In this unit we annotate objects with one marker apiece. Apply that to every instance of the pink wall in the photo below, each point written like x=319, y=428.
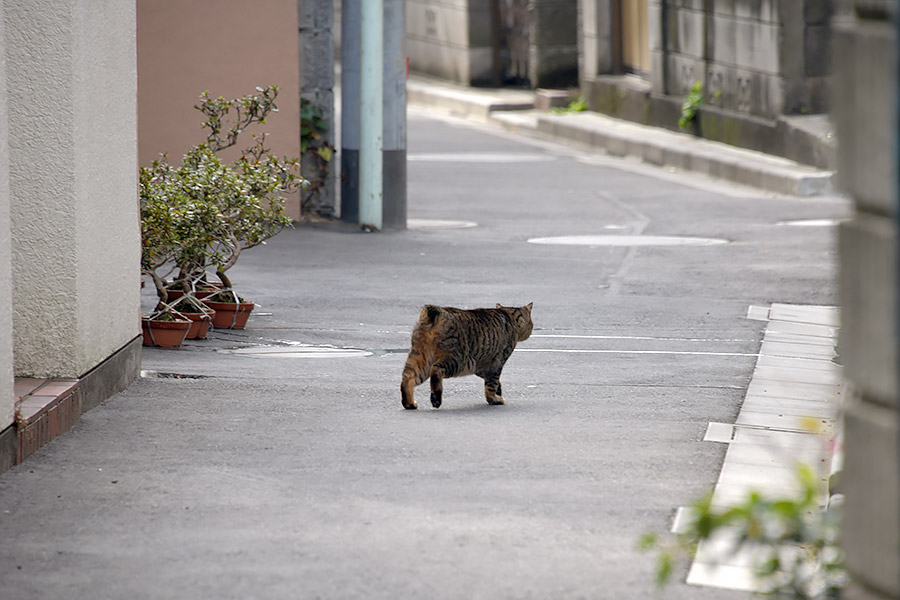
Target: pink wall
x=227, y=47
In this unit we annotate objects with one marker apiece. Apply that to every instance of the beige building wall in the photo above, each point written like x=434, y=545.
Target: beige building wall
x=73, y=182
x=227, y=47
x=7, y=399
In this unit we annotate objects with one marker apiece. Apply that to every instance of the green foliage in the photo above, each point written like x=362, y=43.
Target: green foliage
x=248, y=110
x=190, y=304
x=794, y=539
x=691, y=106
x=226, y=296
x=577, y=105
x=316, y=153
x=204, y=213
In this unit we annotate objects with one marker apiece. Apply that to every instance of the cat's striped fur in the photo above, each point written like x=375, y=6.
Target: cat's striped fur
x=452, y=342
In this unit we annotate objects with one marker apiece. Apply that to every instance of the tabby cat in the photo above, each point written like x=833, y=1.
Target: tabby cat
x=452, y=342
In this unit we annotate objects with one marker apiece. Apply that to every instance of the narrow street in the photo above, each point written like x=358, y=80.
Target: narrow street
x=234, y=472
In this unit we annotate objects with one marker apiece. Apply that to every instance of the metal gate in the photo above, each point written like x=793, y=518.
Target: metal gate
x=513, y=39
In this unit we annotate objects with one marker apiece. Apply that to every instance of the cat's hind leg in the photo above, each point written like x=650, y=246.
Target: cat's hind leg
x=493, y=392
x=414, y=373
x=437, y=389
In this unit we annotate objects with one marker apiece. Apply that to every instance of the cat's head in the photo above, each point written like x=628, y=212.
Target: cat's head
x=521, y=318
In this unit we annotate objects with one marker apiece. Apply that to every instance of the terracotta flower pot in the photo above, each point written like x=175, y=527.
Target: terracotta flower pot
x=230, y=315
x=200, y=323
x=166, y=334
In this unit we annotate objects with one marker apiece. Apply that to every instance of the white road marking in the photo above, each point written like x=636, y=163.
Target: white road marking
x=481, y=157
x=634, y=337
x=673, y=352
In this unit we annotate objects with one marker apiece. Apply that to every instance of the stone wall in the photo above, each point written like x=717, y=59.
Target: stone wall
x=865, y=50
x=763, y=58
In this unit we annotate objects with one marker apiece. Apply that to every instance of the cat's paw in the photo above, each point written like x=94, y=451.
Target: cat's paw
x=435, y=400
x=411, y=405
x=496, y=401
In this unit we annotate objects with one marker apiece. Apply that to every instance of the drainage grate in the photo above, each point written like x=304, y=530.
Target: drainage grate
x=147, y=374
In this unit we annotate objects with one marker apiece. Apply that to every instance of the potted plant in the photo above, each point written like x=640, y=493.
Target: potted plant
x=199, y=314
x=201, y=215
x=165, y=328
x=231, y=311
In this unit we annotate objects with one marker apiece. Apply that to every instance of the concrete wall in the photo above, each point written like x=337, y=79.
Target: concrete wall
x=450, y=39
x=864, y=111
x=553, y=52
x=227, y=47
x=7, y=399
x=763, y=58
x=454, y=39
x=596, y=46
x=73, y=183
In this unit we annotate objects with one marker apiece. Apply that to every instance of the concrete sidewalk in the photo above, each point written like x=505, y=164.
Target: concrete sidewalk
x=515, y=110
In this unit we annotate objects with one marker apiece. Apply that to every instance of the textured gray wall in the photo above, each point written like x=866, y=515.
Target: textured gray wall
x=7, y=398
x=73, y=182
x=865, y=93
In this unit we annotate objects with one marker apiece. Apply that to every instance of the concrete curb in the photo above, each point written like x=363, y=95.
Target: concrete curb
x=788, y=416
x=514, y=110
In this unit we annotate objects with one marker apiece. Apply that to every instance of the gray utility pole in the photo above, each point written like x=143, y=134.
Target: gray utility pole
x=365, y=155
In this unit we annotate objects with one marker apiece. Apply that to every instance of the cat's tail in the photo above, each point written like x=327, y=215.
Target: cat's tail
x=421, y=357
x=429, y=316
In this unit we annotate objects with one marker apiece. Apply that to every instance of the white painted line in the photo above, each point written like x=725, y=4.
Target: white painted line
x=626, y=240
x=672, y=352
x=298, y=352
x=439, y=224
x=812, y=223
x=634, y=337
x=481, y=157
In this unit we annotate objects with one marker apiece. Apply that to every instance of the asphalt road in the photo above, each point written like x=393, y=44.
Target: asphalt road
x=302, y=477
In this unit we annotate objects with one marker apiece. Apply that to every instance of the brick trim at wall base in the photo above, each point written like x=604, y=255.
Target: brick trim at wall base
x=50, y=407
x=624, y=97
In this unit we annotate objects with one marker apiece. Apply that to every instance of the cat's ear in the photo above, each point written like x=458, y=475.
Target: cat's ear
x=528, y=306
x=499, y=305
